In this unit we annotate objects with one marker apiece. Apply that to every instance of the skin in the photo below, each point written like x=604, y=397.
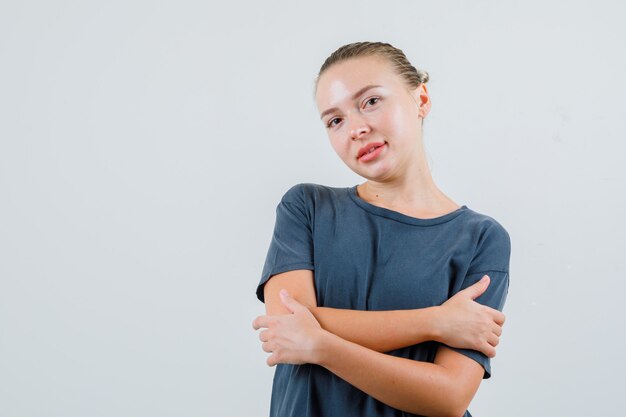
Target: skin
x=459, y=322
x=297, y=331
x=400, y=179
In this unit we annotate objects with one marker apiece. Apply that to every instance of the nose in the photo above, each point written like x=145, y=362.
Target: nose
x=358, y=127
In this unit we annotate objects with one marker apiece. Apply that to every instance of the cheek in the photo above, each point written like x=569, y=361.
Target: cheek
x=400, y=120
x=341, y=146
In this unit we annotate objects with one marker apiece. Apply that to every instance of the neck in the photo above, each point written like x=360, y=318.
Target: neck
x=413, y=192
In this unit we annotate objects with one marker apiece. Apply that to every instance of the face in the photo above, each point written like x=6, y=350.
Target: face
x=372, y=118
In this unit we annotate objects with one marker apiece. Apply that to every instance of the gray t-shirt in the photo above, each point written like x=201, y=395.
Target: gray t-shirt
x=366, y=257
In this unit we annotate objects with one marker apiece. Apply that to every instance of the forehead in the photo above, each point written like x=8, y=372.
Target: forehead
x=341, y=80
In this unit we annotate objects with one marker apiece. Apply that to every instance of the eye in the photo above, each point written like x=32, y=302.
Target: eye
x=330, y=122
x=372, y=100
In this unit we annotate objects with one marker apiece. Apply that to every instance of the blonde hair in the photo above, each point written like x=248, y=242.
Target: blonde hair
x=401, y=65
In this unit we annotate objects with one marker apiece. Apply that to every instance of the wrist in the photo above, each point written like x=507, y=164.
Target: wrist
x=323, y=352
x=433, y=323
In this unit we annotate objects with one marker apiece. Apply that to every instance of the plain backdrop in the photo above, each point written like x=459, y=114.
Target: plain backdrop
x=144, y=146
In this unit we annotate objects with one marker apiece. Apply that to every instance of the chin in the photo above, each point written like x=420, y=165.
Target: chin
x=377, y=175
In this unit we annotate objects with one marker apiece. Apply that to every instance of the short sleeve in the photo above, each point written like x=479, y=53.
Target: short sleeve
x=491, y=258
x=291, y=246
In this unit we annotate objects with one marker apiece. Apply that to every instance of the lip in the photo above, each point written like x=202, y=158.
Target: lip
x=364, y=150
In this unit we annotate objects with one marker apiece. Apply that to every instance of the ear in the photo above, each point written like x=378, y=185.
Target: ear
x=422, y=99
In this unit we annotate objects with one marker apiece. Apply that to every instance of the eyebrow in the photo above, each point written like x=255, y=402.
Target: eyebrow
x=354, y=96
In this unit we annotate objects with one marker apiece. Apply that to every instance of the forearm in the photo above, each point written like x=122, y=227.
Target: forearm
x=416, y=387
x=442, y=388
x=381, y=331
x=459, y=322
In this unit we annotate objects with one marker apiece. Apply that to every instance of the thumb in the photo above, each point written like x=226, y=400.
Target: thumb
x=475, y=290
x=289, y=302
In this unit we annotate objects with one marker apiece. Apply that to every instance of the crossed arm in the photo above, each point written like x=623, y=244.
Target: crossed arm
x=350, y=343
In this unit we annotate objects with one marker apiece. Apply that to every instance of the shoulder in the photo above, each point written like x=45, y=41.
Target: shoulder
x=487, y=227
x=307, y=194
x=309, y=201
x=492, y=240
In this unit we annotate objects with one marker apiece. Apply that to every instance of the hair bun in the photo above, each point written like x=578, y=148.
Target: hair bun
x=423, y=76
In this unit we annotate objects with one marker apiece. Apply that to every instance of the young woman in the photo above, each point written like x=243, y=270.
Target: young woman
x=384, y=298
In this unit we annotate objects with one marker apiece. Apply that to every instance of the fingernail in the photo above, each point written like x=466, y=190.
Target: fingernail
x=284, y=293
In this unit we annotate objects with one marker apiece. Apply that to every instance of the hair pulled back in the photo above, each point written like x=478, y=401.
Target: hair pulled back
x=401, y=65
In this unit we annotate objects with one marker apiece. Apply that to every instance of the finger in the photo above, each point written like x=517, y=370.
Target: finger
x=272, y=360
x=261, y=321
x=499, y=318
x=291, y=303
x=497, y=330
x=264, y=336
x=488, y=350
x=493, y=340
x=268, y=347
x=476, y=289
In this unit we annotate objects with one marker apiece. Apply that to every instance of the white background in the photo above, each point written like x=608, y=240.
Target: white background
x=144, y=146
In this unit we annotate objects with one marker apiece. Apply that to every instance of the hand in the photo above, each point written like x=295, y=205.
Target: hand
x=292, y=338
x=464, y=323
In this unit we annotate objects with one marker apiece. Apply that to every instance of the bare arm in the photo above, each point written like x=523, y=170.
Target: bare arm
x=381, y=331
x=460, y=322
x=443, y=388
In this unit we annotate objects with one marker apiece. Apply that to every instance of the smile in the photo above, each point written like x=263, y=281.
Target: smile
x=370, y=152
